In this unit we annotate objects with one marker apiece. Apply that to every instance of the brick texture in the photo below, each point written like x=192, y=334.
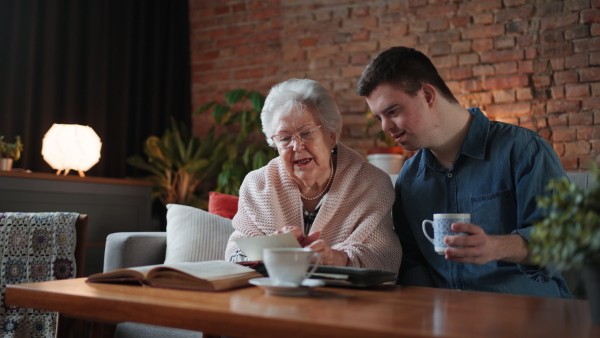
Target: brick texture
x=533, y=64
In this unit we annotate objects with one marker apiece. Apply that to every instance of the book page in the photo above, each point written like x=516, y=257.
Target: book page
x=208, y=270
x=253, y=246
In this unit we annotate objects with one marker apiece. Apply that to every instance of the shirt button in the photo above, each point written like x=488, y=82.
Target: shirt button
x=449, y=175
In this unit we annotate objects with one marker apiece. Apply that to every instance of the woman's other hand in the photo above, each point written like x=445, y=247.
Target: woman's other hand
x=329, y=256
x=296, y=231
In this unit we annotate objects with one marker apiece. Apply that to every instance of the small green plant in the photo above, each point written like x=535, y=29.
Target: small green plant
x=178, y=163
x=379, y=137
x=240, y=146
x=11, y=150
x=569, y=234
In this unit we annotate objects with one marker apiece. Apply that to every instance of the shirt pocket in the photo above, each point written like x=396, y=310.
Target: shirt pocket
x=495, y=212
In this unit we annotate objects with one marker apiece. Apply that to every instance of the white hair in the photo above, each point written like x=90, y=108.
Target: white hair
x=301, y=94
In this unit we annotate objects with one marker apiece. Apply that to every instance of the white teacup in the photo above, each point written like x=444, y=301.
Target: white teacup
x=289, y=266
x=441, y=228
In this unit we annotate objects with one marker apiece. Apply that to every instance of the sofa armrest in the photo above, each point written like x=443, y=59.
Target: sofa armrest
x=128, y=249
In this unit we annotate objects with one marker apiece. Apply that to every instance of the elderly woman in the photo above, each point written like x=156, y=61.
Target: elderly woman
x=323, y=192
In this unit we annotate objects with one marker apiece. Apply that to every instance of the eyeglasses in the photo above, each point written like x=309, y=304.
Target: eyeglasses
x=305, y=136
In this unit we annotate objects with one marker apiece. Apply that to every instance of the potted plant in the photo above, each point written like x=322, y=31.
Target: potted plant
x=384, y=154
x=178, y=163
x=240, y=146
x=9, y=152
x=568, y=237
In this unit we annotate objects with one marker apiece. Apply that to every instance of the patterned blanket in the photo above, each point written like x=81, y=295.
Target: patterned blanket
x=34, y=247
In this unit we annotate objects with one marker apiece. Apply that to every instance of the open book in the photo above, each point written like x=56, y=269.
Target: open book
x=206, y=276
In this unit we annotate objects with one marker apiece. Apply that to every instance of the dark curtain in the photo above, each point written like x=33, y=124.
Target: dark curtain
x=119, y=66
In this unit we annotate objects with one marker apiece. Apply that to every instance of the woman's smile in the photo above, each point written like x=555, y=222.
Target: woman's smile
x=302, y=162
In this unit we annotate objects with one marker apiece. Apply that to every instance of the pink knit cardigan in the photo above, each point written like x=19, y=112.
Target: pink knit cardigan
x=356, y=216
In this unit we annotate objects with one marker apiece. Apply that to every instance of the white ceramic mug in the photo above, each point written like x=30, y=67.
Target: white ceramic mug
x=289, y=266
x=441, y=228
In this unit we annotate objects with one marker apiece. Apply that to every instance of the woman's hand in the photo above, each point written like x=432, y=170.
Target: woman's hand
x=296, y=231
x=299, y=234
x=329, y=256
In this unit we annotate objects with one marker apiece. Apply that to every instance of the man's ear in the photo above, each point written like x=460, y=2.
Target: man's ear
x=430, y=94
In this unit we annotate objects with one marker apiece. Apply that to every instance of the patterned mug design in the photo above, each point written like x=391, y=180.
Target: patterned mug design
x=441, y=228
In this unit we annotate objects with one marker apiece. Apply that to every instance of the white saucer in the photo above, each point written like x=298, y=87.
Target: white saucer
x=289, y=290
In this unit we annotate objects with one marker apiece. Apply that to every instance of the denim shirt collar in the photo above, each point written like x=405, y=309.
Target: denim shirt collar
x=473, y=145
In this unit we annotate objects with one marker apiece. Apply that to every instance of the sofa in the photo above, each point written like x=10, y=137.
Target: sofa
x=127, y=249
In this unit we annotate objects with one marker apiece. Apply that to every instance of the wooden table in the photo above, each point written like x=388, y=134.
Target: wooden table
x=329, y=312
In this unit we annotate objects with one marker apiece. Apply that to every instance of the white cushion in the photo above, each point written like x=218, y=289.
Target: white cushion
x=195, y=235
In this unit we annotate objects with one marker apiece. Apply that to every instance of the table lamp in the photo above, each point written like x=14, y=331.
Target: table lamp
x=71, y=146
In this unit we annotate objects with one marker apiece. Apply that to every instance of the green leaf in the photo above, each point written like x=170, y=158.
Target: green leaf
x=257, y=100
x=204, y=107
x=235, y=96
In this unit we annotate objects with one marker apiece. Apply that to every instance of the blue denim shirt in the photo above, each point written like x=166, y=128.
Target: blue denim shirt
x=496, y=176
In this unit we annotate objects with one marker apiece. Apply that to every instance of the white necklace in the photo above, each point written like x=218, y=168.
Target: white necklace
x=326, y=185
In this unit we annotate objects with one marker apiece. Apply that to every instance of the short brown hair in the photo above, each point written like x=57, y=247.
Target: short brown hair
x=405, y=68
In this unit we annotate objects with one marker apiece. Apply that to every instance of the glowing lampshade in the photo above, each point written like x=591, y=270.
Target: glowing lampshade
x=71, y=146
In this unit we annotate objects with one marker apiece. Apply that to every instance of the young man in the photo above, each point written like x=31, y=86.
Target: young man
x=465, y=164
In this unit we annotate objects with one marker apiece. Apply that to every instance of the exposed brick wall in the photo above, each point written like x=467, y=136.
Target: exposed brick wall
x=530, y=63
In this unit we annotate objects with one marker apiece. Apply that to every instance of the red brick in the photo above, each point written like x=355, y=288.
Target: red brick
x=468, y=59
x=558, y=120
x=509, y=109
x=570, y=162
x=558, y=92
x=578, y=148
x=506, y=68
x=447, y=36
x=238, y=41
x=506, y=82
x=505, y=119
x=360, y=11
x=400, y=29
x=483, y=18
x=538, y=109
x=590, y=75
x=576, y=61
x=265, y=13
x=502, y=55
x=590, y=16
x=445, y=61
x=579, y=90
x=504, y=42
x=438, y=24
x=530, y=53
x=586, y=45
x=483, y=70
x=460, y=21
x=577, y=32
x=559, y=148
x=416, y=3
x=581, y=119
x=221, y=10
x=238, y=7
x=462, y=73
x=483, y=45
x=589, y=133
x=520, y=13
x=524, y=94
x=592, y=103
x=595, y=29
x=362, y=35
x=435, y=11
x=503, y=96
x=557, y=49
x=525, y=67
x=251, y=73
x=552, y=36
x=320, y=52
x=564, y=134
x=558, y=63
x=562, y=106
x=471, y=85
x=564, y=77
x=595, y=58
x=541, y=81
x=469, y=7
x=439, y=49
x=360, y=59
x=483, y=32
